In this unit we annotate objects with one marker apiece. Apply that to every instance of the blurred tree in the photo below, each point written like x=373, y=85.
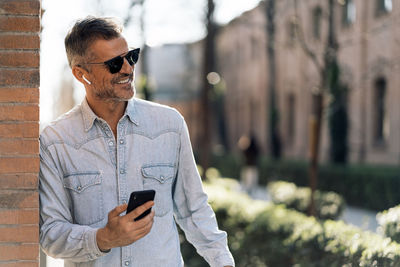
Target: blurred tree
x=329, y=82
x=337, y=116
x=273, y=113
x=208, y=67
x=144, y=84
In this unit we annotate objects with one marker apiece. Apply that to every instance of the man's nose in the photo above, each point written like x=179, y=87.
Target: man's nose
x=126, y=67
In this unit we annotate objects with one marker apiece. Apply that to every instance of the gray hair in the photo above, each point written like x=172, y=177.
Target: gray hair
x=85, y=32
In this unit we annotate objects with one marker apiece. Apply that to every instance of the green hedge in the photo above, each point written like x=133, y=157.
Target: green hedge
x=329, y=205
x=370, y=187
x=263, y=234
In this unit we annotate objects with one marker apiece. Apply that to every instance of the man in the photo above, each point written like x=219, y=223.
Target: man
x=94, y=156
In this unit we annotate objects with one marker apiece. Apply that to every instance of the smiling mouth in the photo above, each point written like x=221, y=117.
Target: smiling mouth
x=127, y=80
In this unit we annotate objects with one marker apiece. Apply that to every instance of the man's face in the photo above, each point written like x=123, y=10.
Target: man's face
x=106, y=86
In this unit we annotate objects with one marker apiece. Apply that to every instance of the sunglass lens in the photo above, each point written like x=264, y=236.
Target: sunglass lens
x=132, y=56
x=115, y=64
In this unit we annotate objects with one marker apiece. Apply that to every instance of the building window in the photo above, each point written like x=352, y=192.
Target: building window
x=383, y=6
x=382, y=127
x=349, y=12
x=254, y=48
x=316, y=22
x=292, y=31
x=291, y=118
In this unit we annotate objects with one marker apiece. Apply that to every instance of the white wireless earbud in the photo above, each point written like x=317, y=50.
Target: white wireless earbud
x=86, y=80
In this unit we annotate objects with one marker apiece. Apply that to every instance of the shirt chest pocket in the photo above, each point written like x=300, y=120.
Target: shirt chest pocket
x=160, y=177
x=87, y=196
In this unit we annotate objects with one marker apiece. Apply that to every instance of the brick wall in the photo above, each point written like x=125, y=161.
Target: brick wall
x=19, y=132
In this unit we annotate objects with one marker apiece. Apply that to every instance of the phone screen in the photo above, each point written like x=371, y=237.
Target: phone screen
x=137, y=199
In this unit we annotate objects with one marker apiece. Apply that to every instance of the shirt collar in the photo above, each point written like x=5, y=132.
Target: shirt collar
x=89, y=116
x=130, y=111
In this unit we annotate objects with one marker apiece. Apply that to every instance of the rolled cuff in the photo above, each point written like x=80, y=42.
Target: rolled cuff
x=223, y=260
x=92, y=246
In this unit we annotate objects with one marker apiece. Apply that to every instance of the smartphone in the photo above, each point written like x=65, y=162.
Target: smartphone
x=137, y=199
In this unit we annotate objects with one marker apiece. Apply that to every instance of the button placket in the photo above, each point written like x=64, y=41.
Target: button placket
x=122, y=179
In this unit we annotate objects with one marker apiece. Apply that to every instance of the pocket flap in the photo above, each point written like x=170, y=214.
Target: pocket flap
x=78, y=182
x=160, y=172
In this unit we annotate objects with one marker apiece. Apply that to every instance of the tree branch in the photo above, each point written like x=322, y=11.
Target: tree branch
x=306, y=48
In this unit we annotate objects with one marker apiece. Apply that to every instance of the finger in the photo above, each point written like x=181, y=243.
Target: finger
x=148, y=219
x=139, y=210
x=142, y=231
x=117, y=211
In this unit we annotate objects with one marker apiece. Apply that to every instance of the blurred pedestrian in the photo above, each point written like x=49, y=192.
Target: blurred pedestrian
x=249, y=173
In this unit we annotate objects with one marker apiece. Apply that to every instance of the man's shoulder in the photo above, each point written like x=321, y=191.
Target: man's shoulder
x=150, y=108
x=69, y=123
x=157, y=117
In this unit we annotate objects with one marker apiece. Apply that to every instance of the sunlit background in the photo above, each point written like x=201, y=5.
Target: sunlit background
x=166, y=22
x=299, y=107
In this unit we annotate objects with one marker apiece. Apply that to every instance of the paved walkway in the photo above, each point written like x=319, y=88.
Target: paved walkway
x=362, y=218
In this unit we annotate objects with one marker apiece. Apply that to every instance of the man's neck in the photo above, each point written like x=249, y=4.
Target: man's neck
x=110, y=111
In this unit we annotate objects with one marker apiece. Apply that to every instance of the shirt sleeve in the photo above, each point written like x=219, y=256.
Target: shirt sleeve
x=192, y=211
x=59, y=237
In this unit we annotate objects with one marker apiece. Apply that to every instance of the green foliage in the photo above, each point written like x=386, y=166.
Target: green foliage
x=370, y=187
x=264, y=234
x=389, y=222
x=229, y=165
x=329, y=205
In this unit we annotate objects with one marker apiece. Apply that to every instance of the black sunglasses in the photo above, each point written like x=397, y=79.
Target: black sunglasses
x=115, y=64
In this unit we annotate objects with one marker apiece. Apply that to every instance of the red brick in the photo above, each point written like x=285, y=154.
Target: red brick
x=19, y=59
x=19, y=181
x=19, y=130
x=14, y=147
x=20, y=95
x=19, y=41
x=12, y=199
x=21, y=252
x=27, y=234
x=19, y=165
x=20, y=7
x=28, y=78
x=19, y=113
x=19, y=216
x=19, y=24
x=20, y=264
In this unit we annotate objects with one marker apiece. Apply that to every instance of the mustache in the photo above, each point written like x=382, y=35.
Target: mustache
x=123, y=76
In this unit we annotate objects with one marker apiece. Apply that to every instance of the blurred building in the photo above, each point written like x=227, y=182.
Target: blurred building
x=369, y=58
x=368, y=37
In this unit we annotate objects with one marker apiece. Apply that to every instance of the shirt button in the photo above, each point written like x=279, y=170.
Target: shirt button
x=111, y=143
x=124, y=201
x=79, y=188
x=126, y=263
x=121, y=141
x=162, y=179
x=121, y=171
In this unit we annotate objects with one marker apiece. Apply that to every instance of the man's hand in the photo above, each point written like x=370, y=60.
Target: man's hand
x=123, y=230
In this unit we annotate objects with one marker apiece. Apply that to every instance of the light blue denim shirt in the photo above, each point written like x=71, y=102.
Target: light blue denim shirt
x=85, y=172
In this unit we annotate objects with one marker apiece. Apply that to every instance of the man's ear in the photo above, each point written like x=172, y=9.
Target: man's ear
x=79, y=74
